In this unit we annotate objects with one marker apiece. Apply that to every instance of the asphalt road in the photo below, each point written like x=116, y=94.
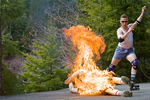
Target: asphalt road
x=142, y=94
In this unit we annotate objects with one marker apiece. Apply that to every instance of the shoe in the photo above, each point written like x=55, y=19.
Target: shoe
x=127, y=94
x=127, y=81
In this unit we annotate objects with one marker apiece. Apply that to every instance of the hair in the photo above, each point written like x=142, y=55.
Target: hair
x=124, y=16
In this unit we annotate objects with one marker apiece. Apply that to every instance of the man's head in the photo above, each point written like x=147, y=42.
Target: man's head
x=124, y=20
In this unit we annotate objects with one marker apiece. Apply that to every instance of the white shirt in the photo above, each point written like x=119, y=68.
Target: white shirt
x=128, y=41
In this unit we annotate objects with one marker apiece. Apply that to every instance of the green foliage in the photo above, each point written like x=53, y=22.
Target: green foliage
x=11, y=83
x=24, y=33
x=44, y=71
x=10, y=11
x=97, y=14
x=9, y=46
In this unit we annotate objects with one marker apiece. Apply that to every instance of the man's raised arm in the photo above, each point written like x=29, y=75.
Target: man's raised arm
x=139, y=19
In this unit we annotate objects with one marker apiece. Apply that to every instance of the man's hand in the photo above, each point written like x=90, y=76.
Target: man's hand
x=131, y=28
x=143, y=9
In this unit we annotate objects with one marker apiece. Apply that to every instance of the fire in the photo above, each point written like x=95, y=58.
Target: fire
x=90, y=46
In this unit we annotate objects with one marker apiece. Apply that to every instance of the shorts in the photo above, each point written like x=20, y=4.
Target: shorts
x=121, y=53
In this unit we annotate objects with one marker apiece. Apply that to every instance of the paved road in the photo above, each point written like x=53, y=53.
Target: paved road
x=143, y=94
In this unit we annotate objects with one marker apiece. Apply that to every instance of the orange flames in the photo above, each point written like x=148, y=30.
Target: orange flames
x=90, y=46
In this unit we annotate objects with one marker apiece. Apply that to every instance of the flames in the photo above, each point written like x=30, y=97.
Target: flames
x=90, y=46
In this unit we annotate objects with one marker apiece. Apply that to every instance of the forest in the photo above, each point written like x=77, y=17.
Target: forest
x=32, y=30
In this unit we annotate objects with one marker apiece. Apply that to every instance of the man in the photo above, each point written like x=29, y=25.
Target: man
x=125, y=46
x=111, y=91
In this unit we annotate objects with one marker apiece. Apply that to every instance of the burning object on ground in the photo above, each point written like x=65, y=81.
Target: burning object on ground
x=84, y=88
x=94, y=81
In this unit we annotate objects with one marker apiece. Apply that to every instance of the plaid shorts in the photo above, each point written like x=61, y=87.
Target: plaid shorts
x=121, y=53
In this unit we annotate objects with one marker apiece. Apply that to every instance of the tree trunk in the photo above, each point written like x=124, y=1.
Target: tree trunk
x=1, y=68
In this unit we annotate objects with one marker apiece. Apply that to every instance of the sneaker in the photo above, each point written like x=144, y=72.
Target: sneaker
x=127, y=94
x=127, y=81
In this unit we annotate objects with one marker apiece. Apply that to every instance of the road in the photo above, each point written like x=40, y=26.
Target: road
x=142, y=94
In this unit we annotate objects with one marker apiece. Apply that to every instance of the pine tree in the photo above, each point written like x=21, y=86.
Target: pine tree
x=12, y=85
x=44, y=71
x=10, y=10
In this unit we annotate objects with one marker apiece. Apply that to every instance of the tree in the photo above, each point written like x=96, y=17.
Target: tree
x=1, y=83
x=12, y=85
x=23, y=32
x=44, y=70
x=10, y=10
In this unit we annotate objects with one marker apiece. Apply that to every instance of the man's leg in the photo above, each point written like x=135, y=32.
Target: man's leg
x=113, y=64
x=132, y=58
x=119, y=93
x=123, y=80
x=117, y=80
